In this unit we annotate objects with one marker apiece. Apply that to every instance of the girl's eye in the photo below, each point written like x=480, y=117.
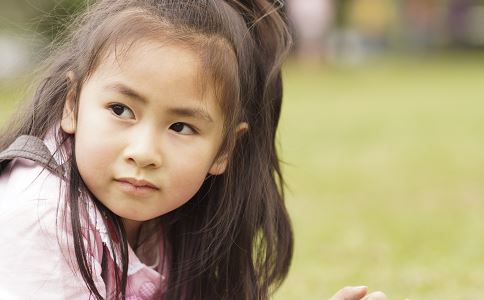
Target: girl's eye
x=122, y=111
x=182, y=128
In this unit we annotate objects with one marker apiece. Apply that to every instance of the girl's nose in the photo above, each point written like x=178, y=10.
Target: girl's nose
x=143, y=151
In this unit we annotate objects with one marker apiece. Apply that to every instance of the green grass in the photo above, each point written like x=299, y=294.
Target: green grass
x=385, y=167
x=386, y=173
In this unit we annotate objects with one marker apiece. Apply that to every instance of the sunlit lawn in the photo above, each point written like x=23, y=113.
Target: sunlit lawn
x=385, y=165
x=386, y=169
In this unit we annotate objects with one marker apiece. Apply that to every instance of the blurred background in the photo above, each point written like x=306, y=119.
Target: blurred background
x=382, y=135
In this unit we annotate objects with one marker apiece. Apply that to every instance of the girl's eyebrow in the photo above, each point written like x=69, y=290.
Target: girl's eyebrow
x=181, y=111
x=191, y=112
x=126, y=90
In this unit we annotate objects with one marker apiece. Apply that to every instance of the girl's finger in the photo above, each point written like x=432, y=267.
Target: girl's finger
x=376, y=296
x=351, y=293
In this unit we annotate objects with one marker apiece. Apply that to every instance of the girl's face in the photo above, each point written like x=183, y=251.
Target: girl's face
x=145, y=140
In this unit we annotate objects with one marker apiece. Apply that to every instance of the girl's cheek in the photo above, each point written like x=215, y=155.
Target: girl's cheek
x=188, y=174
x=184, y=190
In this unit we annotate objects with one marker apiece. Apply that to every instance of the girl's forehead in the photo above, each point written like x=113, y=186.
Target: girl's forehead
x=148, y=53
x=151, y=62
x=156, y=70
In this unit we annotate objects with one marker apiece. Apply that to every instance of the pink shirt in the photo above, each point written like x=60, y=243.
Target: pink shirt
x=37, y=255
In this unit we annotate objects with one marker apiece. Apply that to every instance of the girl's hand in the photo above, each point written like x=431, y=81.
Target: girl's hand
x=357, y=293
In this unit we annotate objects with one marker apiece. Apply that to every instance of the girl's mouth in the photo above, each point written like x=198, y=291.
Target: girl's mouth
x=138, y=188
x=138, y=182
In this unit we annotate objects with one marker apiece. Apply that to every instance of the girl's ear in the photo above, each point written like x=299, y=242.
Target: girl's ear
x=220, y=164
x=68, y=122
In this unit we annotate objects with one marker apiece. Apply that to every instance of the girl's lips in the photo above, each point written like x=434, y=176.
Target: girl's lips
x=137, y=188
x=138, y=183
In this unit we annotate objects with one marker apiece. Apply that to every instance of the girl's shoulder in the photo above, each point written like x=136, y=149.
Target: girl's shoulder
x=32, y=193
x=29, y=179
x=34, y=238
x=30, y=175
x=23, y=180
x=29, y=194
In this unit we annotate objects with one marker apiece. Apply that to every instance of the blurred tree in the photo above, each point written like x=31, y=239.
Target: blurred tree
x=341, y=12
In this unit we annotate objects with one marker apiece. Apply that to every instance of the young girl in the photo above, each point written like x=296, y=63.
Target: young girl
x=145, y=166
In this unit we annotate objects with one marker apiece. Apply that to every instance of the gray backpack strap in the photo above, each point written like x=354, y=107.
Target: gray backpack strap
x=31, y=148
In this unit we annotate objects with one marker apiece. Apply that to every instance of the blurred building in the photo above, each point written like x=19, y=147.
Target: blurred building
x=466, y=22
x=355, y=30
x=349, y=31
